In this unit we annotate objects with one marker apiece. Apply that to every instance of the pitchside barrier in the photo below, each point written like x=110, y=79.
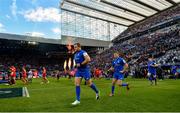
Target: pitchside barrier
x=14, y=92
x=3, y=81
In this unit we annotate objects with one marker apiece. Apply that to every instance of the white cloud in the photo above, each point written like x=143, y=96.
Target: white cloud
x=1, y=25
x=56, y=30
x=14, y=8
x=2, y=29
x=36, y=34
x=43, y=15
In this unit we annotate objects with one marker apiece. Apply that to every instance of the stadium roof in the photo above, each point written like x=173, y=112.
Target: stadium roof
x=122, y=12
x=63, y=41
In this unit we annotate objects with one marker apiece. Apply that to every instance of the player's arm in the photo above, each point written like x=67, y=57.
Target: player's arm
x=125, y=68
x=111, y=69
x=87, y=59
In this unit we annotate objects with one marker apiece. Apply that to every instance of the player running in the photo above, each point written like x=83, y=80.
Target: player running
x=83, y=71
x=176, y=71
x=152, y=70
x=24, y=76
x=30, y=76
x=44, y=78
x=119, y=66
x=13, y=75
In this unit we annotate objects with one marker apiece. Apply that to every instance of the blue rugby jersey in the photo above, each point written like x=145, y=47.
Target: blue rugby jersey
x=79, y=58
x=118, y=64
x=151, y=69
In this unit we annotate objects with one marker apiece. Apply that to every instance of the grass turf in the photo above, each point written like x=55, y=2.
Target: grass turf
x=57, y=96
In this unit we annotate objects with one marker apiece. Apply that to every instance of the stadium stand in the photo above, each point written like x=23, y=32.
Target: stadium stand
x=162, y=40
x=152, y=21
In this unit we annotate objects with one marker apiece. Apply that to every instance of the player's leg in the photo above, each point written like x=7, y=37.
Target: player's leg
x=155, y=79
x=151, y=79
x=58, y=76
x=114, y=80
x=23, y=80
x=14, y=80
x=121, y=84
x=31, y=78
x=93, y=87
x=78, y=90
x=87, y=77
x=77, y=84
x=10, y=80
x=43, y=80
x=47, y=81
x=175, y=76
x=26, y=80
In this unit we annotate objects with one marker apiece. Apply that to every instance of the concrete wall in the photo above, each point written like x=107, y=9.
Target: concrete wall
x=64, y=40
x=84, y=42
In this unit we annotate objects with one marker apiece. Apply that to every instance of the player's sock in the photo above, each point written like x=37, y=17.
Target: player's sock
x=112, y=89
x=94, y=88
x=155, y=81
x=78, y=90
x=124, y=84
x=151, y=80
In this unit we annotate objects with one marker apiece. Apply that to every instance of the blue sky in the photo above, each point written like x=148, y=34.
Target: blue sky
x=33, y=17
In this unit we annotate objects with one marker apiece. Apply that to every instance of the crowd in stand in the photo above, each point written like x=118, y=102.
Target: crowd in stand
x=154, y=20
x=136, y=51
x=171, y=57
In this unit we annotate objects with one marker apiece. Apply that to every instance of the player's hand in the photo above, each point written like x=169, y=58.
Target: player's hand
x=78, y=65
x=122, y=71
x=156, y=65
x=111, y=69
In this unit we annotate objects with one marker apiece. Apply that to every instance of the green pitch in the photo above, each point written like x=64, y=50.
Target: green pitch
x=57, y=96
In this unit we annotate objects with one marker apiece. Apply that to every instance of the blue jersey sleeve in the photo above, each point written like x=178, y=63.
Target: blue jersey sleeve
x=173, y=69
x=84, y=53
x=123, y=61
